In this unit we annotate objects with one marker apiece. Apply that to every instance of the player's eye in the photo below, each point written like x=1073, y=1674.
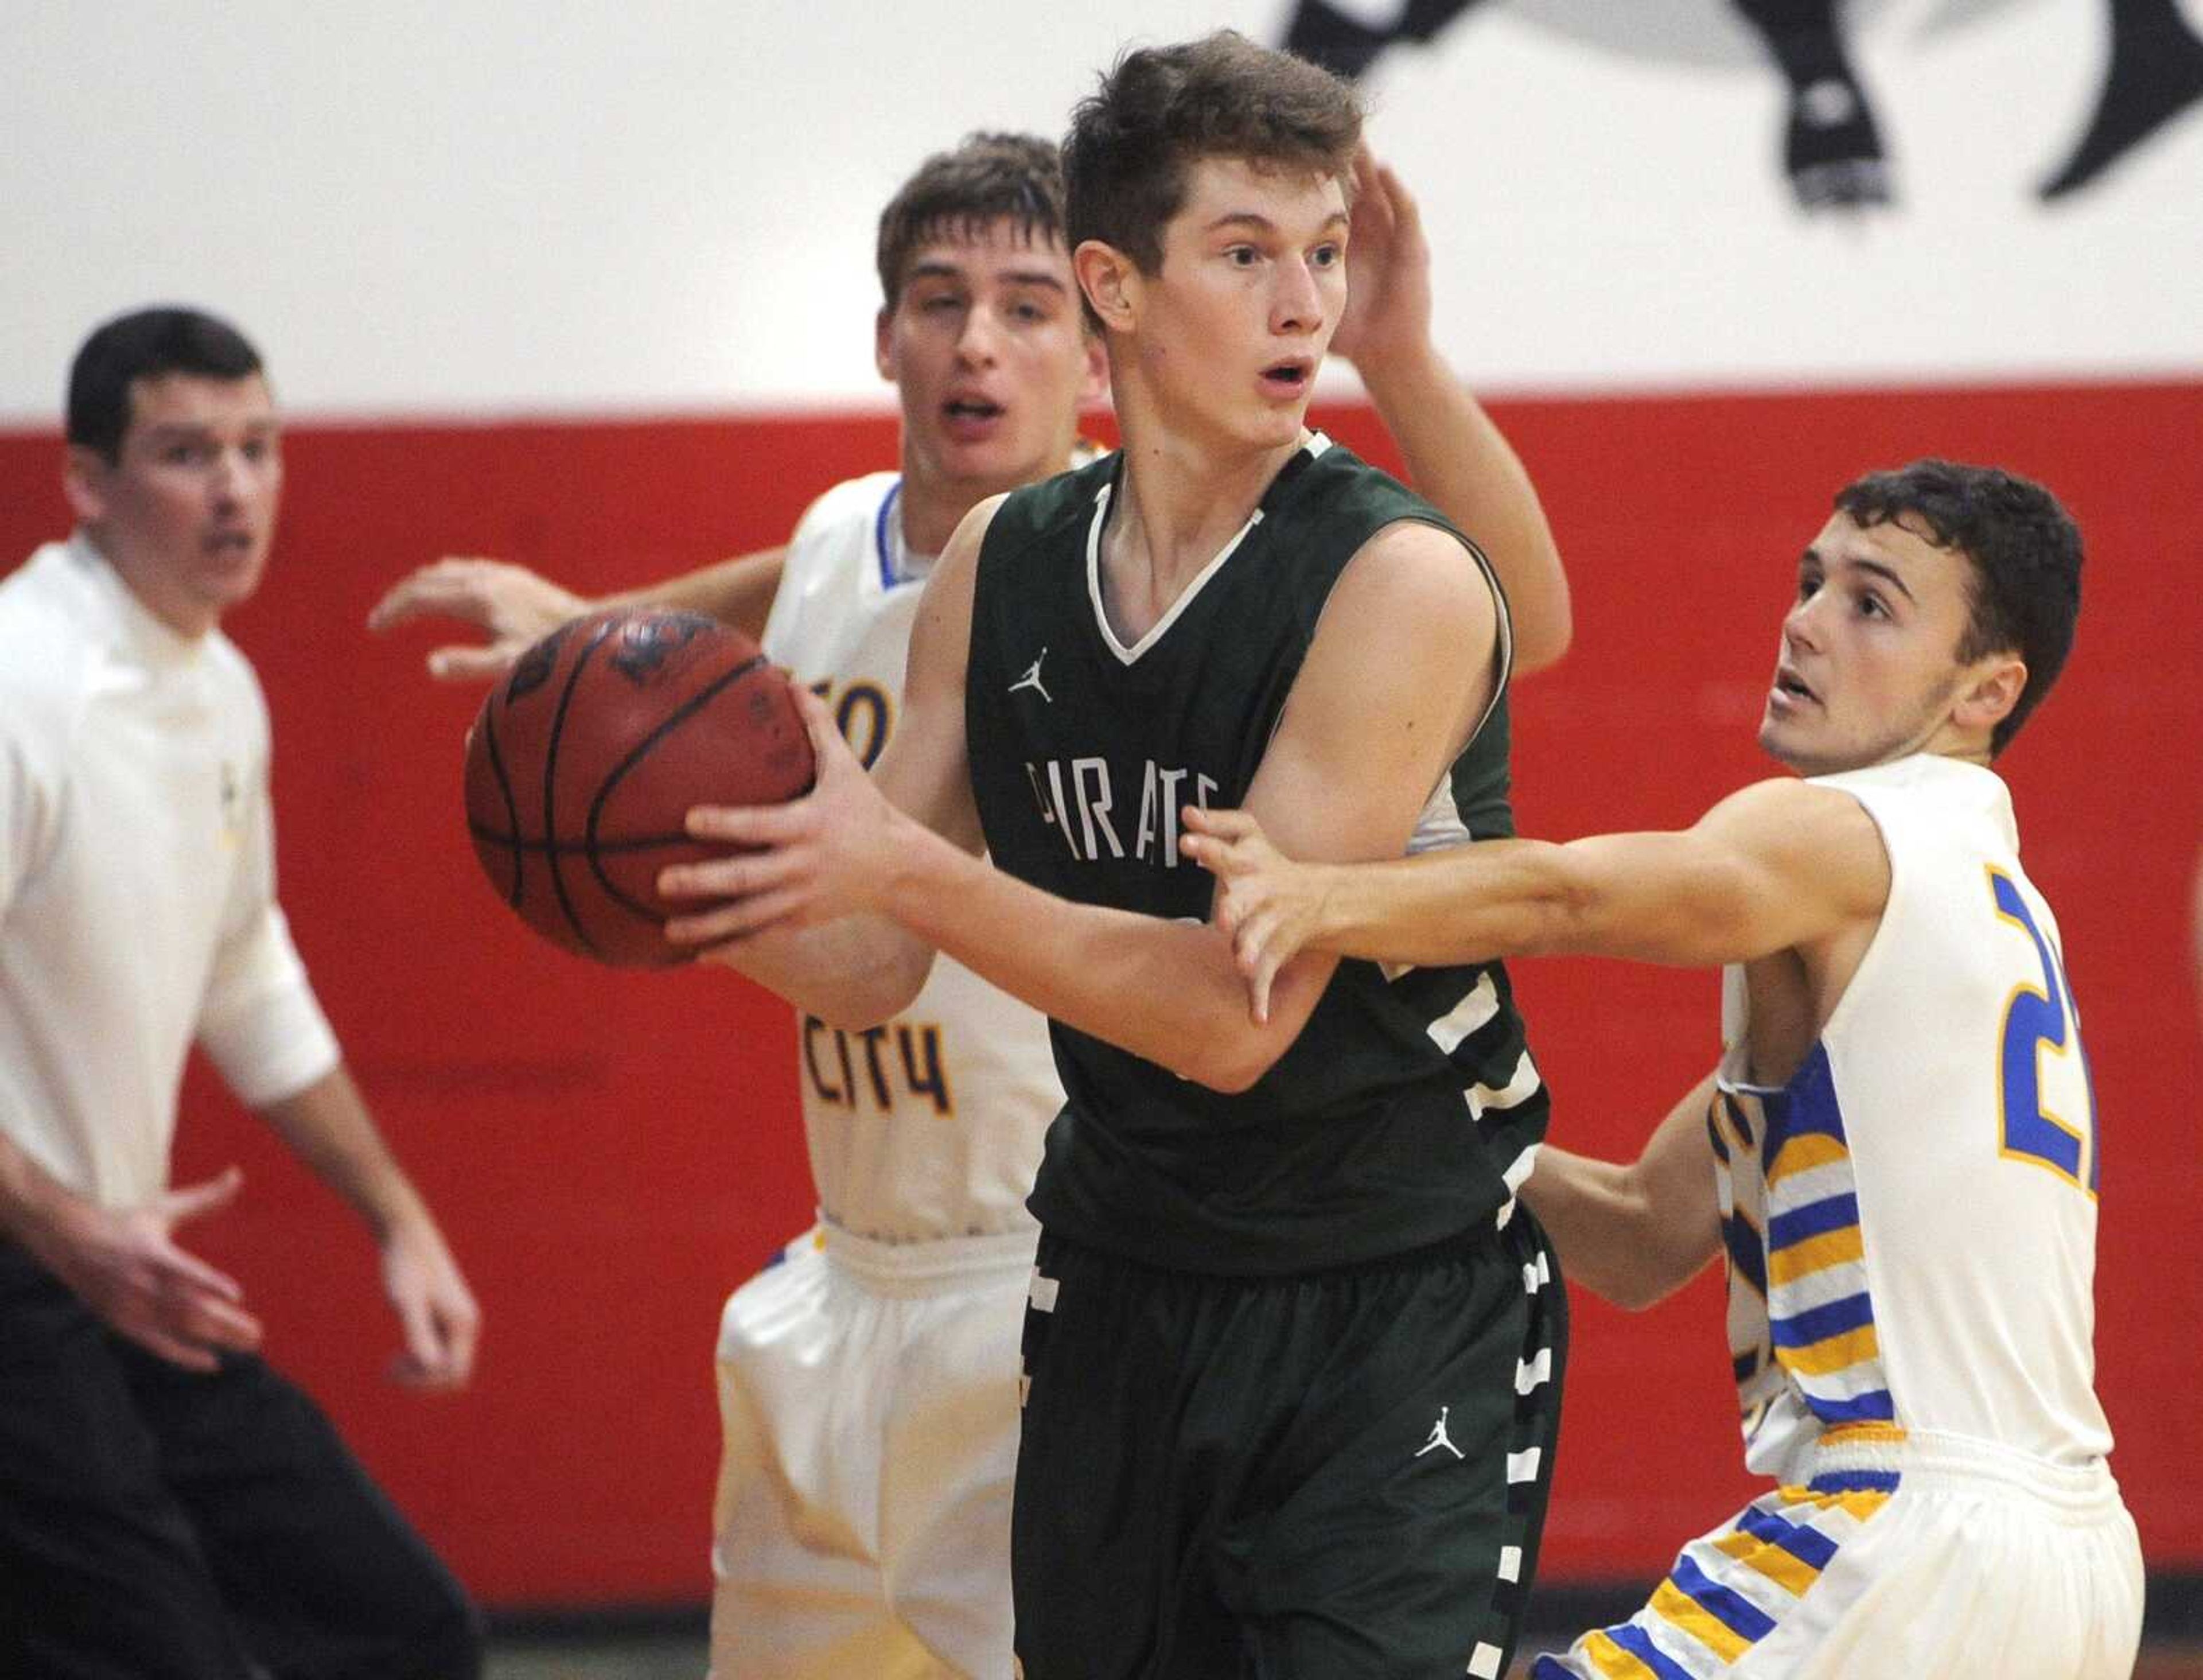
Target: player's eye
x=1328, y=256
x=1241, y=255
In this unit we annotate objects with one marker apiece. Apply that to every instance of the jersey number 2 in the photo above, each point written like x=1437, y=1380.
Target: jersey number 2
x=2035, y=1021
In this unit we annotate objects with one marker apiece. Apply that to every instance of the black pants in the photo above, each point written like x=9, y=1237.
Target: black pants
x=161, y=1524
x=1336, y=1476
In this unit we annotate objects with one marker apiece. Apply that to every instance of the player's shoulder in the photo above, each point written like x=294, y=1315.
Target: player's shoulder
x=1035, y=512
x=855, y=504
x=48, y=660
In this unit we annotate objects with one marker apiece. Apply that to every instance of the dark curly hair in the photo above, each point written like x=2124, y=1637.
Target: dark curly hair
x=2025, y=591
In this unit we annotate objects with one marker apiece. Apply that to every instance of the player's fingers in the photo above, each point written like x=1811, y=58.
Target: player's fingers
x=210, y=1322
x=1224, y=825
x=729, y=924
x=742, y=875
x=461, y=1326
x=449, y=589
x=181, y=1272
x=1402, y=211
x=461, y=664
x=746, y=825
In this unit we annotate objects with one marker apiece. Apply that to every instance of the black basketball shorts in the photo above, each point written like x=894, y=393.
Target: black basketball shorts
x=1316, y=1477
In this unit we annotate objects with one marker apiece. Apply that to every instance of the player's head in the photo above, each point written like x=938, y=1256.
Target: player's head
x=175, y=465
x=1206, y=204
x=980, y=326
x=1934, y=611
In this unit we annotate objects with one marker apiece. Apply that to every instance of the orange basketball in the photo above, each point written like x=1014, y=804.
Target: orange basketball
x=585, y=759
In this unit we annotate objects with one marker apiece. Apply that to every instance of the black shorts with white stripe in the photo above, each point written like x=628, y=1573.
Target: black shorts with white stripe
x=1323, y=1476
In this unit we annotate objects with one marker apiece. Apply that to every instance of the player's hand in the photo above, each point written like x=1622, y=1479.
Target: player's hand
x=1270, y=906
x=830, y=853
x=511, y=605
x=124, y=1265
x=1388, y=271
x=435, y=1310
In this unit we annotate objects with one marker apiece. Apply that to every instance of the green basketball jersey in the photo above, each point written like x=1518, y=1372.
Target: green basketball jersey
x=1409, y=1109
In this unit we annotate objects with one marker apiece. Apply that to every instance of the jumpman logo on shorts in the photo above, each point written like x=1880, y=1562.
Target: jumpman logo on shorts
x=1440, y=1437
x=1032, y=680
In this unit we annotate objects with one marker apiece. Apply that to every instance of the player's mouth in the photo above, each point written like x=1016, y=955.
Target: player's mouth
x=229, y=545
x=1289, y=379
x=1790, y=689
x=972, y=419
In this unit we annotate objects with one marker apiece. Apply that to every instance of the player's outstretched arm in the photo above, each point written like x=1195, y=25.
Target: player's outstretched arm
x=1778, y=864
x=1459, y=460
x=1383, y=701
x=1634, y=1233
x=515, y=607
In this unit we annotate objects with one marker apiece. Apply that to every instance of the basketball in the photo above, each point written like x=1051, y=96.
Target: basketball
x=586, y=758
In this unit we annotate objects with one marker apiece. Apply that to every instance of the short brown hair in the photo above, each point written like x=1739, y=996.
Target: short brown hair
x=1160, y=111
x=988, y=178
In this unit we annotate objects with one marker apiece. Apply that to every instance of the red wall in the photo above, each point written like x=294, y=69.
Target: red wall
x=611, y=1153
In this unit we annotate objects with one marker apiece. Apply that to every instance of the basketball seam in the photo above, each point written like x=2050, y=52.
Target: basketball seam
x=512, y=805
x=551, y=783
x=635, y=755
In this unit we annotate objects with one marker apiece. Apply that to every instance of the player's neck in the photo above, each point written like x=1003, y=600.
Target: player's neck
x=1180, y=499
x=931, y=507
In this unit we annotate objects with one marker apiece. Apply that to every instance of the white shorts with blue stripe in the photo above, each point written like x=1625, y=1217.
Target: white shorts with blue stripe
x=1918, y=1556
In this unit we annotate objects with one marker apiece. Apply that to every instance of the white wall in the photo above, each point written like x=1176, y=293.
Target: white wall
x=501, y=206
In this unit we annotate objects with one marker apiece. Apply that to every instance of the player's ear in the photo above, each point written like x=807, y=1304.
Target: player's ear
x=1993, y=686
x=883, y=343
x=1110, y=281
x=84, y=480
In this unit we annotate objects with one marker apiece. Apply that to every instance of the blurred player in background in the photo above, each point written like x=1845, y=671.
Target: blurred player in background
x=868, y=1382
x=168, y=1505
x=1284, y=1304
x=1898, y=1151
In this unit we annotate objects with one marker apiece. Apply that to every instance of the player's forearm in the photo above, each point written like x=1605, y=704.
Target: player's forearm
x=854, y=972
x=1467, y=904
x=1635, y=1233
x=737, y=592
x=1165, y=990
x=327, y=1126
x=1463, y=466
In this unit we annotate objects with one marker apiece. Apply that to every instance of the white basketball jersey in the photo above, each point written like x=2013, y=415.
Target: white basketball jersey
x=929, y=1126
x=1910, y=1221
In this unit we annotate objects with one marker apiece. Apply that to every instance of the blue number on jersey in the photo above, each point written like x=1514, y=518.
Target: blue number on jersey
x=2033, y=1019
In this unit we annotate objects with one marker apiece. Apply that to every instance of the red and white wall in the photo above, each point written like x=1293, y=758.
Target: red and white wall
x=590, y=287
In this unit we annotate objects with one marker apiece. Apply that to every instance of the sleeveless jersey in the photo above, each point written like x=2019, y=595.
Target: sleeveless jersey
x=1910, y=1220
x=1408, y=1110
x=929, y=1126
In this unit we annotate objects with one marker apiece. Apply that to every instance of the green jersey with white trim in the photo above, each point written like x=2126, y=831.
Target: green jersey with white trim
x=1409, y=1110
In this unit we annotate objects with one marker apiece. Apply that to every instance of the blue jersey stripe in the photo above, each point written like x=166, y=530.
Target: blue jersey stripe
x=1807, y=1104
x=1808, y=1546
x=1735, y=1611
x=1802, y=1329
x=1815, y=1219
x=1745, y=1252
x=1874, y=1406
x=1854, y=1482
x=1639, y=1643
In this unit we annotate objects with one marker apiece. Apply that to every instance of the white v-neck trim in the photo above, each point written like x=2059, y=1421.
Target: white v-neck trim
x=1313, y=447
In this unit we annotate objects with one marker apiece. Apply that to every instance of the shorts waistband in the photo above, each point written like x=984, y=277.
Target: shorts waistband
x=1922, y=1459
x=916, y=1267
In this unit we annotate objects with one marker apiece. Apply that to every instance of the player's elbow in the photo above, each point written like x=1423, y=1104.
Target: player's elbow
x=1541, y=646
x=1232, y=1062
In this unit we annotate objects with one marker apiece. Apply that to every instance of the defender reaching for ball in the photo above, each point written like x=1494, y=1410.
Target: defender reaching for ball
x=1898, y=1151
x=836, y=1554
x=1273, y=1258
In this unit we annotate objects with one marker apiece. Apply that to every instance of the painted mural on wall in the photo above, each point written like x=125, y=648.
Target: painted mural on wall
x=1832, y=149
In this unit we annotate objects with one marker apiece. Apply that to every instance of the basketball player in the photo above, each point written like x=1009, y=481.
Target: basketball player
x=169, y=1505
x=870, y=1534
x=1898, y=1152
x=1292, y=1350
